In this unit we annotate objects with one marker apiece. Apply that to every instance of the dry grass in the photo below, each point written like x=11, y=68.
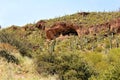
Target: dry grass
x=24, y=71
x=8, y=47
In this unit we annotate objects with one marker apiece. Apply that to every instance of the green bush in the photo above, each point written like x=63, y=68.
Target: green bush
x=67, y=65
x=109, y=66
x=113, y=73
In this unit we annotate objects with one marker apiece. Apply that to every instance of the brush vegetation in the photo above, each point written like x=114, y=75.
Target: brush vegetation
x=27, y=55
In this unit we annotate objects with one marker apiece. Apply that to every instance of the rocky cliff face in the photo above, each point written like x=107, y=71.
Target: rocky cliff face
x=65, y=28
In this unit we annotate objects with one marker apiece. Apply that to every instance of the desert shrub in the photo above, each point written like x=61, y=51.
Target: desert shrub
x=70, y=75
x=67, y=65
x=108, y=68
x=6, y=37
x=114, y=55
x=112, y=73
x=8, y=57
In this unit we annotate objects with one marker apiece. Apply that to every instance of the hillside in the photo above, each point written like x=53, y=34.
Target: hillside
x=80, y=46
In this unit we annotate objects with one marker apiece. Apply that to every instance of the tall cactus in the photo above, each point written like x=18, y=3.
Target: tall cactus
x=51, y=50
x=52, y=47
x=117, y=42
x=110, y=40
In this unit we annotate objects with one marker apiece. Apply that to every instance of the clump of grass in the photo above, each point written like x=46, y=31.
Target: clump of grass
x=9, y=38
x=9, y=57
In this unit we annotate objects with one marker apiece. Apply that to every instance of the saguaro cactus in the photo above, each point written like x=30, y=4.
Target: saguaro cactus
x=51, y=50
x=110, y=40
x=52, y=47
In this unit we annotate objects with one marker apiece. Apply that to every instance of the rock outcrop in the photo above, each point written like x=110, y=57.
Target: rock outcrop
x=41, y=25
x=115, y=25
x=83, y=13
x=62, y=28
x=65, y=28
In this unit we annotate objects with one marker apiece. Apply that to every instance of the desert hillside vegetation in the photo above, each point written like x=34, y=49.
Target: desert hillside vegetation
x=26, y=52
